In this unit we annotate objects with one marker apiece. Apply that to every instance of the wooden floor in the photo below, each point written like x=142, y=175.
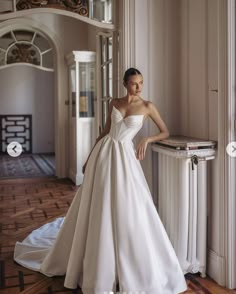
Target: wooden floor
x=26, y=204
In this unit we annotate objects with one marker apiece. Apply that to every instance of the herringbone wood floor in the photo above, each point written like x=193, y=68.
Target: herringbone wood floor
x=26, y=204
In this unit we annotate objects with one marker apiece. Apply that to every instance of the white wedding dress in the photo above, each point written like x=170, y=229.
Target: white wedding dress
x=112, y=232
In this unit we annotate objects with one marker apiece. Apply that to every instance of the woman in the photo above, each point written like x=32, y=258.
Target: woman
x=133, y=103
x=112, y=232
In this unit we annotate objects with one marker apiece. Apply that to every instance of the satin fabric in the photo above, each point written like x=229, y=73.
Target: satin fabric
x=112, y=231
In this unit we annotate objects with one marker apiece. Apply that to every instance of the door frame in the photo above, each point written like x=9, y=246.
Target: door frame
x=230, y=137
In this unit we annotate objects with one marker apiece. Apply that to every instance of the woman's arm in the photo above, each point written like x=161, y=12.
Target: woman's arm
x=105, y=131
x=164, y=132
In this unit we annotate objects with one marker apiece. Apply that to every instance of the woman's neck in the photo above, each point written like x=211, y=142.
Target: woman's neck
x=131, y=98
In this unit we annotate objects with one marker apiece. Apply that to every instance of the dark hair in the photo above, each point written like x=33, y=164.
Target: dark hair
x=130, y=72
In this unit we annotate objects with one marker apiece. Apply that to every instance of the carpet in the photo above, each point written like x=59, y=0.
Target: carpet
x=27, y=166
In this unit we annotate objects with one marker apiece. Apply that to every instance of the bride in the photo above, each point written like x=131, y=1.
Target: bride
x=112, y=232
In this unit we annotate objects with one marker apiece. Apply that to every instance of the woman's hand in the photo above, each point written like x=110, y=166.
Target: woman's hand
x=141, y=149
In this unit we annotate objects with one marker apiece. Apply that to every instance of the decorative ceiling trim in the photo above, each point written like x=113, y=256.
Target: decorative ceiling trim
x=84, y=19
x=77, y=6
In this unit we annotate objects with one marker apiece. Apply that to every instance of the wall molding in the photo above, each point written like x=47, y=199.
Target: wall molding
x=216, y=265
x=127, y=38
x=85, y=19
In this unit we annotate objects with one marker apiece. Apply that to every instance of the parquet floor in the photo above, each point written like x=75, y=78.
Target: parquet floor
x=26, y=204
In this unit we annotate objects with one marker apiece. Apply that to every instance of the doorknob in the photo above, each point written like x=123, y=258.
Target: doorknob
x=214, y=90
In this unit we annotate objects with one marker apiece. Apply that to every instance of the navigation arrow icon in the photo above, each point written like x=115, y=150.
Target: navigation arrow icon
x=14, y=149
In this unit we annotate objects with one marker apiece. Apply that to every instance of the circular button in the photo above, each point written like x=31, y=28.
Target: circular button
x=231, y=149
x=14, y=149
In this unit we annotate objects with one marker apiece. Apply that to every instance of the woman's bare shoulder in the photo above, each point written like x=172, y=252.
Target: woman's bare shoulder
x=114, y=101
x=118, y=101
x=147, y=105
x=150, y=106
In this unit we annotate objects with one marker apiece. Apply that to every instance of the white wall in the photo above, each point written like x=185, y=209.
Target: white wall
x=72, y=33
x=157, y=57
x=28, y=90
x=164, y=61
x=92, y=32
x=194, y=69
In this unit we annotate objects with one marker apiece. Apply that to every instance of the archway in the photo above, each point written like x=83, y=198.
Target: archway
x=59, y=90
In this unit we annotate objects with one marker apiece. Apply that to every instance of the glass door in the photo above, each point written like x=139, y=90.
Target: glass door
x=87, y=89
x=105, y=68
x=81, y=111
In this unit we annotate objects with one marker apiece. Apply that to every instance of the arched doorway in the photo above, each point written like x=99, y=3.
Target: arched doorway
x=27, y=104
x=30, y=57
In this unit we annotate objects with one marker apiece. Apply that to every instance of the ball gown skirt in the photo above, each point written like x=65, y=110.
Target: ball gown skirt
x=112, y=231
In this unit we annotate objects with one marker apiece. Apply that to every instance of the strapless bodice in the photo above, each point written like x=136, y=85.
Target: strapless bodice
x=123, y=129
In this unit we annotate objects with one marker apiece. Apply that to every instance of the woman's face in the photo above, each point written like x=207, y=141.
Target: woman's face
x=134, y=85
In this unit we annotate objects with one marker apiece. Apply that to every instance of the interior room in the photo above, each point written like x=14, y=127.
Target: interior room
x=61, y=65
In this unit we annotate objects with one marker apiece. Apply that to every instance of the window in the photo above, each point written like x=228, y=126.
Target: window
x=106, y=70
x=101, y=10
x=23, y=46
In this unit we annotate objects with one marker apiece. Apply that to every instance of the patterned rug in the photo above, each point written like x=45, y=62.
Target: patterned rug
x=27, y=166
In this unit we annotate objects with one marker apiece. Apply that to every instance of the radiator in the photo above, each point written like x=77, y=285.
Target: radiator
x=180, y=195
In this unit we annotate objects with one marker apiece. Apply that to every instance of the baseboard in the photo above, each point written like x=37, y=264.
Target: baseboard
x=79, y=179
x=72, y=175
x=76, y=178
x=216, y=267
